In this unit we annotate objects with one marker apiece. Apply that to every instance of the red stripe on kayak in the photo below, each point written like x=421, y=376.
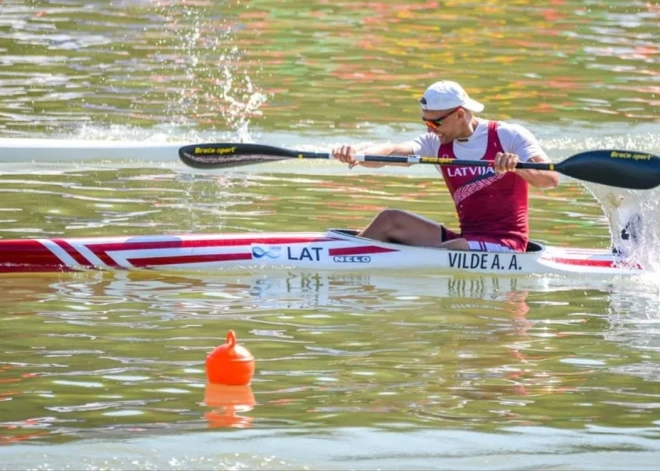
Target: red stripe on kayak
x=184, y=243
x=186, y=259
x=364, y=250
x=103, y=256
x=73, y=253
x=585, y=262
x=28, y=255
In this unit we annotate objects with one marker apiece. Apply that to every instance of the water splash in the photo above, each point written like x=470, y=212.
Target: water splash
x=634, y=219
x=218, y=81
x=239, y=111
x=633, y=215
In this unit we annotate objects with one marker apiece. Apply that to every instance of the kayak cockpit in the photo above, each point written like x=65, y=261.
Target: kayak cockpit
x=534, y=247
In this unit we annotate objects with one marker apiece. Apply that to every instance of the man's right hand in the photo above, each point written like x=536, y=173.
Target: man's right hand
x=345, y=154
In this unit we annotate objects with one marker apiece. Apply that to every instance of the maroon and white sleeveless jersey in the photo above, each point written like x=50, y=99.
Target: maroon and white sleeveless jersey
x=490, y=207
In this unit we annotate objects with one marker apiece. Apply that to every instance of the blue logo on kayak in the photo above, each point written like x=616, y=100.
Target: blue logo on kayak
x=271, y=252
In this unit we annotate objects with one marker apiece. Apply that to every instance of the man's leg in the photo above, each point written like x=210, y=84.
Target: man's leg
x=455, y=244
x=402, y=227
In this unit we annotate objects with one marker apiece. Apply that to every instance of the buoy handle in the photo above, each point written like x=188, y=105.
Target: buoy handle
x=231, y=339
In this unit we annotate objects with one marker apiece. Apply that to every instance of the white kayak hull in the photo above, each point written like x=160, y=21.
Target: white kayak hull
x=334, y=250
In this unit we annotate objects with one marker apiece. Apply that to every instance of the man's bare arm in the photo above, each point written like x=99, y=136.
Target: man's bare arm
x=539, y=178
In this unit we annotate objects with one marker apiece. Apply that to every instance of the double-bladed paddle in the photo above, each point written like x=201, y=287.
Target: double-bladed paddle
x=620, y=168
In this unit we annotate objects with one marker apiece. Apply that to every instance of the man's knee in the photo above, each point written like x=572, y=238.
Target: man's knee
x=392, y=217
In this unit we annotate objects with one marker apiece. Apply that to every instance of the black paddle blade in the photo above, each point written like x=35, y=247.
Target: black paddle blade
x=620, y=168
x=219, y=155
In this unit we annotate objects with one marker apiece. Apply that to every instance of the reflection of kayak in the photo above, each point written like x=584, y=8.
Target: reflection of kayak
x=335, y=250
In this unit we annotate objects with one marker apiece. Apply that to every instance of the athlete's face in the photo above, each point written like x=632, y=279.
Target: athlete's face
x=443, y=123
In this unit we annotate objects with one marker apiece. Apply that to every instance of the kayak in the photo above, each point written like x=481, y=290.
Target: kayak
x=334, y=250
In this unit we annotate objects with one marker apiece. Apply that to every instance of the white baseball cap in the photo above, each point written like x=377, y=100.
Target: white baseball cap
x=445, y=95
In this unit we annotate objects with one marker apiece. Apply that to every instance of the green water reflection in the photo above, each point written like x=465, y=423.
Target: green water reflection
x=91, y=353
x=323, y=67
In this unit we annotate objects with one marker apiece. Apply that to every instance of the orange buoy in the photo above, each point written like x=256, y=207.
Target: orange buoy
x=230, y=364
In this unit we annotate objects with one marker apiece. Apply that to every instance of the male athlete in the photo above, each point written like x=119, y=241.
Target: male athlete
x=491, y=202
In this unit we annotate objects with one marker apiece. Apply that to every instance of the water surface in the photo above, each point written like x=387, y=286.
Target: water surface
x=354, y=371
